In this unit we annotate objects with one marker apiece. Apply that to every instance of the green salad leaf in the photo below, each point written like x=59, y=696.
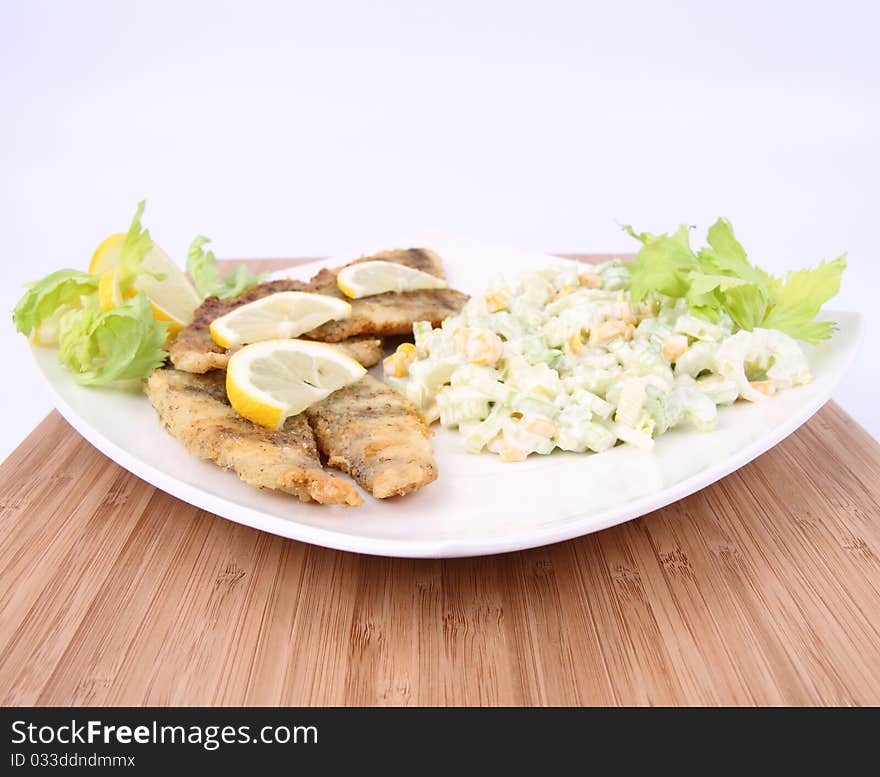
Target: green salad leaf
x=725, y=254
x=710, y=294
x=135, y=247
x=663, y=264
x=796, y=299
x=719, y=279
x=743, y=295
x=202, y=267
x=44, y=297
x=101, y=348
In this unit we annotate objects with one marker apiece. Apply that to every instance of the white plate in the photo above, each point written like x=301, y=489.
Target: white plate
x=479, y=505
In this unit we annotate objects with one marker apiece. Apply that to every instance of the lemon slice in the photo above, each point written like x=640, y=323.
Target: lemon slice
x=173, y=296
x=110, y=295
x=363, y=279
x=280, y=315
x=163, y=315
x=106, y=254
x=270, y=381
x=171, y=292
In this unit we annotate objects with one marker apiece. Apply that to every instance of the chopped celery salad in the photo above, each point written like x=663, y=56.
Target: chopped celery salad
x=582, y=357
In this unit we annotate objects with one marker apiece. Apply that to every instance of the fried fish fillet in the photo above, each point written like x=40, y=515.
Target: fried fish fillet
x=374, y=434
x=195, y=351
x=371, y=317
x=194, y=409
x=392, y=313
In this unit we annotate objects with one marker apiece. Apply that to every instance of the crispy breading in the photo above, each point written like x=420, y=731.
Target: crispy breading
x=373, y=433
x=194, y=350
x=392, y=313
x=195, y=410
x=372, y=317
x=365, y=349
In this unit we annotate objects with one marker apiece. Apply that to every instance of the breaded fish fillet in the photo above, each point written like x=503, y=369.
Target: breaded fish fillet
x=373, y=433
x=392, y=313
x=195, y=351
x=371, y=318
x=194, y=409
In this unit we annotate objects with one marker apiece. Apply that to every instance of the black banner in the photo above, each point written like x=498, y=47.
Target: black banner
x=395, y=740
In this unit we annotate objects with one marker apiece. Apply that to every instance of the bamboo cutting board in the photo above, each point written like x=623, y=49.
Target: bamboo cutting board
x=761, y=589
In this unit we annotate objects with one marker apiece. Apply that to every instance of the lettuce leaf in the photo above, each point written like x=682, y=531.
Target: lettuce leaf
x=134, y=249
x=125, y=343
x=202, y=267
x=44, y=297
x=719, y=279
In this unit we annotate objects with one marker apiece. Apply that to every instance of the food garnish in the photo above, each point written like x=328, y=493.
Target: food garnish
x=112, y=324
x=719, y=280
x=364, y=279
x=202, y=267
x=279, y=315
x=269, y=381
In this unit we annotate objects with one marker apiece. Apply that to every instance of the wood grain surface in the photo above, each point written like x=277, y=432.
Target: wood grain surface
x=761, y=589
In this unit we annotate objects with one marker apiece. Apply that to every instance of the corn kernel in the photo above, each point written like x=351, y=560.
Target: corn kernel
x=590, y=279
x=510, y=452
x=543, y=427
x=496, y=300
x=484, y=348
x=766, y=387
x=648, y=309
x=610, y=329
x=574, y=345
x=395, y=367
x=390, y=366
x=460, y=337
x=673, y=347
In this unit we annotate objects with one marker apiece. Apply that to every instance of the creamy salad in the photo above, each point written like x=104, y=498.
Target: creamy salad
x=564, y=357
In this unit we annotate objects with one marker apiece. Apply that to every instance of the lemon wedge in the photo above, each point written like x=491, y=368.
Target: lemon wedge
x=280, y=315
x=269, y=381
x=363, y=279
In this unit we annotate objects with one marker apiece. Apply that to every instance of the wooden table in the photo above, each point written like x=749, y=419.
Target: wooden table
x=761, y=589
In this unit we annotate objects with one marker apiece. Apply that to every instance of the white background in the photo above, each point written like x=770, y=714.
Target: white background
x=312, y=128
